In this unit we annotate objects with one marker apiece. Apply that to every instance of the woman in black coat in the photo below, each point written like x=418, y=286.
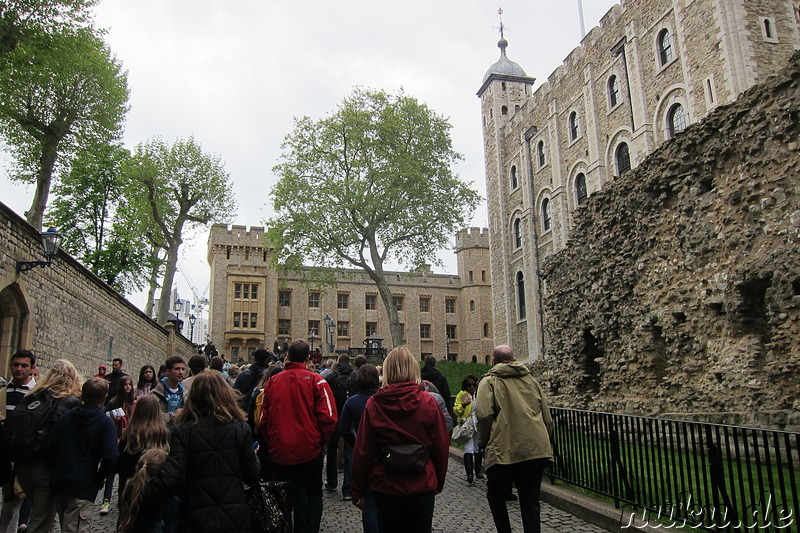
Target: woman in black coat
x=211, y=457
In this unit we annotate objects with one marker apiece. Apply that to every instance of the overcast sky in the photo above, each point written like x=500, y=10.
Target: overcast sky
x=234, y=74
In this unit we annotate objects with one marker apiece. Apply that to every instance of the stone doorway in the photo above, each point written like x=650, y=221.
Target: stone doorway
x=14, y=324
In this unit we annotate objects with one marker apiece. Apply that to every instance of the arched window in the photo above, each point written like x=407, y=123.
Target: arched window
x=514, y=183
x=580, y=189
x=613, y=91
x=516, y=109
x=768, y=32
x=517, y=233
x=664, y=47
x=540, y=153
x=503, y=85
x=485, y=329
x=623, y=157
x=472, y=306
x=676, y=120
x=520, y=295
x=573, y=126
x=504, y=110
x=546, y=214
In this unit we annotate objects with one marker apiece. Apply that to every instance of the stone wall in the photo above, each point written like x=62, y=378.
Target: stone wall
x=679, y=289
x=63, y=311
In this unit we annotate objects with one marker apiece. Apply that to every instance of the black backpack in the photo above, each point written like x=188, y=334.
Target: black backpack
x=27, y=425
x=344, y=386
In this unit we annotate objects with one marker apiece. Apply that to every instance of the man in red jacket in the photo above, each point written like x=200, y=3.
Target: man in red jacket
x=298, y=416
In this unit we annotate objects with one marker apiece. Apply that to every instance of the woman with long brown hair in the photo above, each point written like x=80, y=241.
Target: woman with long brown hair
x=211, y=457
x=139, y=513
x=146, y=430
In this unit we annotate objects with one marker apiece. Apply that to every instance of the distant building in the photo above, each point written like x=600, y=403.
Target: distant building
x=251, y=305
x=649, y=70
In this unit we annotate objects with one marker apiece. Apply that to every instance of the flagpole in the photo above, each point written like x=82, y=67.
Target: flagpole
x=580, y=16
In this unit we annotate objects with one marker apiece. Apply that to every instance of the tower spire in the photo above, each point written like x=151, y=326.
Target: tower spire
x=501, y=28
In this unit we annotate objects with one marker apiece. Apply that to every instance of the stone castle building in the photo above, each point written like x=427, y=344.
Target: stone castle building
x=251, y=305
x=651, y=69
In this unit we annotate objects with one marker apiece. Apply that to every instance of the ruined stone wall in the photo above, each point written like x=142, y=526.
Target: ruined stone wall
x=63, y=311
x=679, y=289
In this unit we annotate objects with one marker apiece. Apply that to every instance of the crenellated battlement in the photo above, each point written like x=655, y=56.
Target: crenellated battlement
x=472, y=238
x=236, y=235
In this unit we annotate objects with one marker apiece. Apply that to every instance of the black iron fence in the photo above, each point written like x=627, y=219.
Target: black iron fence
x=706, y=476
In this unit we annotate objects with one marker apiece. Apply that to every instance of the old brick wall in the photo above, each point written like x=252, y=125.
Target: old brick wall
x=63, y=311
x=679, y=289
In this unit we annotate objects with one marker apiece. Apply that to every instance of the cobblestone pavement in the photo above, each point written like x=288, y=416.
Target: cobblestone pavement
x=460, y=508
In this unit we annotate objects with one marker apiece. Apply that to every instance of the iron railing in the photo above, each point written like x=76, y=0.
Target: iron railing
x=707, y=476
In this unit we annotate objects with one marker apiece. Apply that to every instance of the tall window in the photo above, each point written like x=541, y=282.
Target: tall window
x=485, y=329
x=664, y=47
x=424, y=304
x=520, y=295
x=613, y=91
x=398, y=302
x=342, y=300
x=449, y=305
x=472, y=306
x=517, y=233
x=370, y=328
x=676, y=120
x=237, y=291
x=237, y=320
x=343, y=328
x=514, y=182
x=574, y=130
x=769, y=33
x=313, y=299
x=540, y=153
x=284, y=327
x=313, y=325
x=623, y=157
x=424, y=331
x=253, y=320
x=546, y=214
x=370, y=302
x=284, y=298
x=451, y=331
x=580, y=189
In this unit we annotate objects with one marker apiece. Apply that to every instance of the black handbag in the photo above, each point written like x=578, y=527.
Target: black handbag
x=405, y=459
x=269, y=507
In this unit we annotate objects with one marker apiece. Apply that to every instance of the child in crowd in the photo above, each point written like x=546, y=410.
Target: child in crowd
x=146, y=430
x=120, y=409
x=139, y=513
x=147, y=381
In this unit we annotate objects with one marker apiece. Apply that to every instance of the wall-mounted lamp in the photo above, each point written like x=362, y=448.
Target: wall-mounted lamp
x=50, y=241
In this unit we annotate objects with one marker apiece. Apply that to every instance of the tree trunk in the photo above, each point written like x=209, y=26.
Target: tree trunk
x=169, y=277
x=44, y=177
x=391, y=309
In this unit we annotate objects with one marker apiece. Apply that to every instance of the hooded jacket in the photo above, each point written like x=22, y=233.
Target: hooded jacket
x=84, y=452
x=401, y=413
x=161, y=391
x=298, y=415
x=514, y=421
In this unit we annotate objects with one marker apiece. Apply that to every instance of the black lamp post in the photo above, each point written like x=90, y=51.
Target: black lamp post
x=447, y=343
x=50, y=242
x=330, y=328
x=192, y=320
x=177, y=308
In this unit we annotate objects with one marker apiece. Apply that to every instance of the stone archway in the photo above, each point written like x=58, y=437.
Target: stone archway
x=14, y=324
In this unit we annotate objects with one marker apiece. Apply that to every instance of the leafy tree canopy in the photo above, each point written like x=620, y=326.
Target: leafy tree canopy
x=19, y=19
x=368, y=184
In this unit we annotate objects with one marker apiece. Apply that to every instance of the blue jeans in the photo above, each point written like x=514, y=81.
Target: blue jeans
x=369, y=515
x=348, y=470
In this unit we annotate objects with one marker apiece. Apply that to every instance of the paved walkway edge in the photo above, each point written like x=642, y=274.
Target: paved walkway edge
x=591, y=510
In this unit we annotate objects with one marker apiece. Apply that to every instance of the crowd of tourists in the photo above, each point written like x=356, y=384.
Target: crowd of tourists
x=195, y=449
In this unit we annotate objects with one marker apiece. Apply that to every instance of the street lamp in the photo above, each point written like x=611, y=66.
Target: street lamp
x=177, y=308
x=447, y=343
x=50, y=241
x=330, y=328
x=192, y=320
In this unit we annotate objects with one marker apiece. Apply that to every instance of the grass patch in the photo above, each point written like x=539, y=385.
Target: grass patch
x=455, y=372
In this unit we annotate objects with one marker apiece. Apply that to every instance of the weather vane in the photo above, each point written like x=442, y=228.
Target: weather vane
x=501, y=27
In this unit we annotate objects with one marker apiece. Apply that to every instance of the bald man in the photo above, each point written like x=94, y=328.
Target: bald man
x=514, y=427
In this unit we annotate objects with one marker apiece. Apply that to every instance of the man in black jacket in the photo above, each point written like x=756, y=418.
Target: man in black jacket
x=432, y=374
x=343, y=384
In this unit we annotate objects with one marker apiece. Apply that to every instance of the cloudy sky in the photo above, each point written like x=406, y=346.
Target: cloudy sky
x=235, y=73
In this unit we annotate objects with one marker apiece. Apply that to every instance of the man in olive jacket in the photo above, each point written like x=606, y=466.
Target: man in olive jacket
x=514, y=427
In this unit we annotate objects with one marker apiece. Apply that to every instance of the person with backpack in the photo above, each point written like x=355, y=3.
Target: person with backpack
x=26, y=433
x=247, y=380
x=343, y=384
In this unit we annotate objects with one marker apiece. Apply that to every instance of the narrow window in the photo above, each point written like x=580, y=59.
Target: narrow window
x=245, y=320
x=613, y=91
x=520, y=295
x=517, y=233
x=246, y=291
x=768, y=32
x=516, y=109
x=710, y=91
x=253, y=320
x=504, y=110
x=664, y=47
x=237, y=318
x=254, y=291
x=237, y=291
x=580, y=189
x=546, y=214
x=514, y=182
x=472, y=306
x=623, y=157
x=573, y=126
x=676, y=120
x=483, y=276
x=540, y=153
x=471, y=276
x=227, y=252
x=485, y=329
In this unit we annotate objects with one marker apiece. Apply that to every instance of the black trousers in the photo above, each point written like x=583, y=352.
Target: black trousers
x=527, y=477
x=405, y=514
x=305, y=493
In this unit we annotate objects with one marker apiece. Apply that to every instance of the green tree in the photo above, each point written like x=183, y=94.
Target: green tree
x=89, y=211
x=58, y=92
x=370, y=183
x=20, y=19
x=174, y=188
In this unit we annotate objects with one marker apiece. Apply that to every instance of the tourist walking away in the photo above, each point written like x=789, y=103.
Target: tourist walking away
x=463, y=408
x=84, y=454
x=298, y=417
x=23, y=363
x=343, y=385
x=113, y=377
x=147, y=381
x=26, y=432
x=247, y=380
x=169, y=390
x=120, y=409
x=514, y=428
x=401, y=449
x=432, y=374
x=139, y=513
x=367, y=384
x=211, y=457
